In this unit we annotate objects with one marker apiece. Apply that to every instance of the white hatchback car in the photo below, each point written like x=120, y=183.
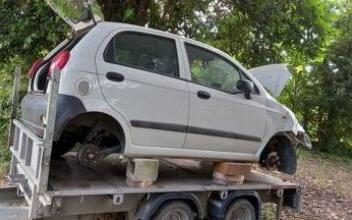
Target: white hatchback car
x=141, y=92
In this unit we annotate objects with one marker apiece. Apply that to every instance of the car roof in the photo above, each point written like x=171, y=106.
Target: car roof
x=115, y=25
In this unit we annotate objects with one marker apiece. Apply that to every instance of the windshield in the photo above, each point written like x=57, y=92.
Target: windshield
x=75, y=12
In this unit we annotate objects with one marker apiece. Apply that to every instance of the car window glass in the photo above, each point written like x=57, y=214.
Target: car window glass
x=212, y=70
x=144, y=51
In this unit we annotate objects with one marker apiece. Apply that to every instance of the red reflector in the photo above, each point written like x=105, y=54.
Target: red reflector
x=34, y=68
x=59, y=61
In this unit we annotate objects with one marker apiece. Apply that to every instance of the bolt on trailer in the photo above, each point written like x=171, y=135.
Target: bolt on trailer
x=41, y=187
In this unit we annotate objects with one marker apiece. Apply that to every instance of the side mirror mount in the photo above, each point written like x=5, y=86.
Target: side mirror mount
x=245, y=86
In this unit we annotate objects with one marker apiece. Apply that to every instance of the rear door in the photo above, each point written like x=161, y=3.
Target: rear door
x=139, y=74
x=221, y=118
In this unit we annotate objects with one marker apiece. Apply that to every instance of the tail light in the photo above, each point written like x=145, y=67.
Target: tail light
x=59, y=61
x=34, y=68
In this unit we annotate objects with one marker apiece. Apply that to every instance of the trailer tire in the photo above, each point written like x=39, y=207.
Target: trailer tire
x=241, y=209
x=174, y=210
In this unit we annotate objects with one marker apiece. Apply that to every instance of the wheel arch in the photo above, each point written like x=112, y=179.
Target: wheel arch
x=280, y=137
x=218, y=207
x=86, y=119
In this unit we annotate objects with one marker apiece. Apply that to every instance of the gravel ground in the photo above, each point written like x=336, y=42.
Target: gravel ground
x=327, y=185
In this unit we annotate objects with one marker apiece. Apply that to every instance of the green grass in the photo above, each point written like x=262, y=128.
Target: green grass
x=5, y=156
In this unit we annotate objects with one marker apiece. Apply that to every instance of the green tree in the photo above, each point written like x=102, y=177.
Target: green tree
x=28, y=30
x=254, y=32
x=334, y=106
x=262, y=32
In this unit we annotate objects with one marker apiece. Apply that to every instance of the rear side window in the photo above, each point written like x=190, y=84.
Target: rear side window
x=144, y=51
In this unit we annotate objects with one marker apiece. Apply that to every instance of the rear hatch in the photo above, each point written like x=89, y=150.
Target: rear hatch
x=77, y=14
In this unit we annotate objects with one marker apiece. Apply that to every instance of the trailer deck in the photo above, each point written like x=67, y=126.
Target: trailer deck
x=69, y=178
x=74, y=190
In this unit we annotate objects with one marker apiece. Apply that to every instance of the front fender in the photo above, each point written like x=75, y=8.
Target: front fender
x=282, y=121
x=303, y=139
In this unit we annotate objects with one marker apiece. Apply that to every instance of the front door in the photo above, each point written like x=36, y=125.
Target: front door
x=139, y=76
x=220, y=117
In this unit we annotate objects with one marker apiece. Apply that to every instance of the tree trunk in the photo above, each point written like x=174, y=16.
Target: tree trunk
x=141, y=12
x=114, y=10
x=111, y=9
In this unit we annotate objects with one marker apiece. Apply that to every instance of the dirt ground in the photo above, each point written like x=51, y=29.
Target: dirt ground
x=327, y=186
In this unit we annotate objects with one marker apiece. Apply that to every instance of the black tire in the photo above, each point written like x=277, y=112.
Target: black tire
x=287, y=157
x=174, y=210
x=241, y=209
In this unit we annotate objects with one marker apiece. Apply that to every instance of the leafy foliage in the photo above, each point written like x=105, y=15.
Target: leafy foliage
x=312, y=36
x=262, y=32
x=335, y=100
x=28, y=29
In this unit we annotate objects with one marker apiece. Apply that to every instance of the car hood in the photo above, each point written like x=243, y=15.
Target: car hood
x=273, y=77
x=79, y=14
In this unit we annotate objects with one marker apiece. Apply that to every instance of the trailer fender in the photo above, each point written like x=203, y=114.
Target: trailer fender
x=217, y=207
x=155, y=201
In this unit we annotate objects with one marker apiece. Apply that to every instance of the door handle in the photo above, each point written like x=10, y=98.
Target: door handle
x=203, y=94
x=113, y=76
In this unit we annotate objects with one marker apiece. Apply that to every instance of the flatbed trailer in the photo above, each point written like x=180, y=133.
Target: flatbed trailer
x=45, y=188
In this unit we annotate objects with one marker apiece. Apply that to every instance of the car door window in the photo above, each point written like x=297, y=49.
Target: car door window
x=212, y=70
x=144, y=51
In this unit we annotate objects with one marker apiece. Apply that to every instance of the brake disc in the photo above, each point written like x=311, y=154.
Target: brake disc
x=89, y=155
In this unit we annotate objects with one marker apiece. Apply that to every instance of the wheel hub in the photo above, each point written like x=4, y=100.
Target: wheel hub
x=176, y=214
x=272, y=161
x=88, y=155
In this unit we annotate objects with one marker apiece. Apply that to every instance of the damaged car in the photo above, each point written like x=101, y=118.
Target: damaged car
x=141, y=92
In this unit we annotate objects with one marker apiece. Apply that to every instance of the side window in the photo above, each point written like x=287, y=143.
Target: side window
x=143, y=51
x=212, y=70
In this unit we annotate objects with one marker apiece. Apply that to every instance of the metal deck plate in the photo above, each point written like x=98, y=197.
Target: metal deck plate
x=12, y=207
x=69, y=178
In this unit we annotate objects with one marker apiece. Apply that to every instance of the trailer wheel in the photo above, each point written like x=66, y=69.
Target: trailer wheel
x=174, y=210
x=241, y=210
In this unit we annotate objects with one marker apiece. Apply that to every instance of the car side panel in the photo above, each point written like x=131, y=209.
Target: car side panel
x=232, y=123
x=148, y=98
x=242, y=120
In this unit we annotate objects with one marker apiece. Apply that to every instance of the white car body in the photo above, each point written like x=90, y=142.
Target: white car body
x=224, y=127
x=142, y=92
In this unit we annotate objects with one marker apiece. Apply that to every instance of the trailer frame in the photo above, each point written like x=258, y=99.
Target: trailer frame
x=41, y=188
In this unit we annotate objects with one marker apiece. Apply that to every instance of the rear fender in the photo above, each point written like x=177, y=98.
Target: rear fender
x=218, y=207
x=155, y=201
